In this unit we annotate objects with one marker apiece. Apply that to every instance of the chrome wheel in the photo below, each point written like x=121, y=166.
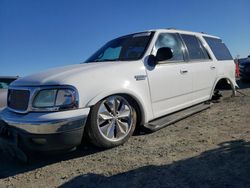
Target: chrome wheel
x=114, y=118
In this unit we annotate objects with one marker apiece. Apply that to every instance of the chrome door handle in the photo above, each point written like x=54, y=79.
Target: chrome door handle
x=183, y=71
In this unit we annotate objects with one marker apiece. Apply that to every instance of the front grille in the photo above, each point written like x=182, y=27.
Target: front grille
x=18, y=99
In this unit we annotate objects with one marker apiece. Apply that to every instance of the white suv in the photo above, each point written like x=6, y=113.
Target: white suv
x=133, y=80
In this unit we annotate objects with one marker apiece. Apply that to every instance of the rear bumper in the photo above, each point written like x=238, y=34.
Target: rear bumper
x=45, y=132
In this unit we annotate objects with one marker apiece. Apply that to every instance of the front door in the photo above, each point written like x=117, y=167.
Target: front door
x=170, y=81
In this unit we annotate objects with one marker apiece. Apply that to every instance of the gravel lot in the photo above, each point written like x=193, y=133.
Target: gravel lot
x=209, y=149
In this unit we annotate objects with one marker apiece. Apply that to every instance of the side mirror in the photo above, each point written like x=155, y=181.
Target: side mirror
x=152, y=60
x=164, y=54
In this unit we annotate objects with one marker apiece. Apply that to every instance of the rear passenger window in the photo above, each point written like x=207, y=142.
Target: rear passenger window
x=194, y=47
x=172, y=41
x=219, y=49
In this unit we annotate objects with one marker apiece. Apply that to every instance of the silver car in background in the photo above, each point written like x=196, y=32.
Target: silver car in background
x=4, y=84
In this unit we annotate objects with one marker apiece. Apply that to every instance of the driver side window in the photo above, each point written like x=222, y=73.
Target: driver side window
x=172, y=41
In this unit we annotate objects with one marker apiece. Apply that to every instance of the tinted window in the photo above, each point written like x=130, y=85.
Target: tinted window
x=219, y=49
x=194, y=47
x=207, y=56
x=172, y=41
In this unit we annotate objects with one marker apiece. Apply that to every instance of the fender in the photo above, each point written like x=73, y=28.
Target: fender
x=232, y=83
x=135, y=96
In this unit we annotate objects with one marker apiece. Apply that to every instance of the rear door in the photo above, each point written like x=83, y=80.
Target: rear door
x=225, y=63
x=204, y=70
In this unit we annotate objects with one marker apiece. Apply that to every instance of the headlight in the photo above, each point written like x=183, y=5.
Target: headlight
x=55, y=99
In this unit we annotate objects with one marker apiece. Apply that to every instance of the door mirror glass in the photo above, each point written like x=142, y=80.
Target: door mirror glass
x=164, y=54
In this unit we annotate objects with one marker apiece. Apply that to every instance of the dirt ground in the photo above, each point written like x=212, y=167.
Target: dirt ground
x=208, y=149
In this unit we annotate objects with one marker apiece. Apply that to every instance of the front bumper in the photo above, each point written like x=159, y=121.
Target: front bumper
x=46, y=132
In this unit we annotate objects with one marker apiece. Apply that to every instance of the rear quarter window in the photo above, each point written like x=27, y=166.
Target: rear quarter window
x=218, y=48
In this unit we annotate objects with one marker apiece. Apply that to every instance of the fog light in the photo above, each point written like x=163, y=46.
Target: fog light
x=40, y=141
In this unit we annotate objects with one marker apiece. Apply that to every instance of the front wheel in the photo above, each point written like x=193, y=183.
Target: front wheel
x=111, y=122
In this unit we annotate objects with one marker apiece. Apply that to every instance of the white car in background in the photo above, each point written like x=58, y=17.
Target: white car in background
x=134, y=80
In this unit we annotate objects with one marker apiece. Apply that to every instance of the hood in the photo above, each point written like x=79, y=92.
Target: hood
x=60, y=75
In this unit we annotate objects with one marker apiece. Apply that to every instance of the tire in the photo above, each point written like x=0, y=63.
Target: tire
x=216, y=96
x=111, y=121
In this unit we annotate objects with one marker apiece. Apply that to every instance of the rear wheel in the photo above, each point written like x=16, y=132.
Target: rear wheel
x=111, y=122
x=216, y=96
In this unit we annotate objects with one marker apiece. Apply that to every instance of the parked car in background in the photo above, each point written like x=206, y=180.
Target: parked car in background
x=134, y=80
x=244, y=68
x=5, y=81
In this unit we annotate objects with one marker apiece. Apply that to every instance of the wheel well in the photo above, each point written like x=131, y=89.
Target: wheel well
x=223, y=84
x=137, y=109
x=136, y=105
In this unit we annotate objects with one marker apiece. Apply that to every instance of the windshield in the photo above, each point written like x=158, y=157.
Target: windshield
x=130, y=47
